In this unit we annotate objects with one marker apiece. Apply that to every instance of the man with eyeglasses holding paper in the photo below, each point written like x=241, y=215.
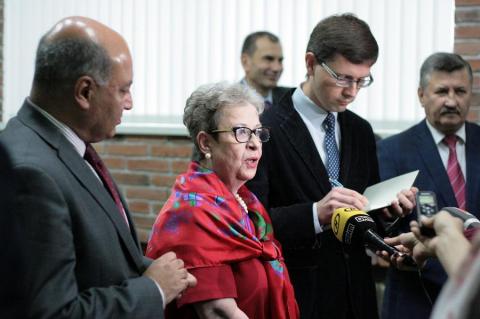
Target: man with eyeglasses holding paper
x=316, y=145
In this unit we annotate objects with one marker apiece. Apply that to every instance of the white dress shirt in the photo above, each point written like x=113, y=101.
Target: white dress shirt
x=313, y=117
x=444, y=151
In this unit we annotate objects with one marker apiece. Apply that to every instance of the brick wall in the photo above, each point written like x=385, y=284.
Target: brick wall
x=145, y=166
x=467, y=44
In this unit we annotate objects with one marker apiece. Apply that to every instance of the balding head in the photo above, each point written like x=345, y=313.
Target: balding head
x=83, y=74
x=74, y=47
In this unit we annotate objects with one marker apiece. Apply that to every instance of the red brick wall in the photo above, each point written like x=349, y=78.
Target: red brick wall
x=145, y=168
x=467, y=43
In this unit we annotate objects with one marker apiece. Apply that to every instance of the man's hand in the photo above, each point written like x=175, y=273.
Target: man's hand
x=408, y=244
x=449, y=244
x=168, y=271
x=339, y=197
x=403, y=204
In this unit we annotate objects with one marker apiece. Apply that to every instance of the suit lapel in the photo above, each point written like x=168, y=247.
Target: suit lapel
x=300, y=140
x=433, y=163
x=345, y=147
x=472, y=152
x=77, y=166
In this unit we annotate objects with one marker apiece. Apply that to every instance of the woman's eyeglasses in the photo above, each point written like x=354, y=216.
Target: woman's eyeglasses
x=244, y=134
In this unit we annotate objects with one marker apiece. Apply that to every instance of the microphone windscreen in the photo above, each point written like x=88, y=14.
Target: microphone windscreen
x=349, y=225
x=469, y=220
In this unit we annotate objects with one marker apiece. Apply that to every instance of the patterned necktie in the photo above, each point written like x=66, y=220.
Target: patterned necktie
x=93, y=159
x=454, y=171
x=333, y=159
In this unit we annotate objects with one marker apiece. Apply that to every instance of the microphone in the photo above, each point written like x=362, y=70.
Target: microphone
x=469, y=220
x=353, y=227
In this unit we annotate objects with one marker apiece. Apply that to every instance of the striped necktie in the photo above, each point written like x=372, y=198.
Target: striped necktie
x=454, y=171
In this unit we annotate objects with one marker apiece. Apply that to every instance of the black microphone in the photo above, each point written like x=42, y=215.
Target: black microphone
x=469, y=221
x=352, y=226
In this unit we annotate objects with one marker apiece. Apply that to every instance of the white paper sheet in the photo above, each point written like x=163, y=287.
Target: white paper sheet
x=382, y=194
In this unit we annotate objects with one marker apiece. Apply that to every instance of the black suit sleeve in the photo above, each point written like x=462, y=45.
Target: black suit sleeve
x=42, y=209
x=292, y=220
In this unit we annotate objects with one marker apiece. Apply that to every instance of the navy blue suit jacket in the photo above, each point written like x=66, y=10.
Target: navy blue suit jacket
x=411, y=150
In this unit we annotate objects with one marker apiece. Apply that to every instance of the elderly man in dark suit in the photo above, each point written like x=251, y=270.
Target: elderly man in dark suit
x=83, y=259
x=317, y=144
x=445, y=93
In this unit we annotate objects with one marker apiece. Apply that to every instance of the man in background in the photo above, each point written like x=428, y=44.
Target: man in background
x=317, y=145
x=82, y=258
x=262, y=60
x=445, y=148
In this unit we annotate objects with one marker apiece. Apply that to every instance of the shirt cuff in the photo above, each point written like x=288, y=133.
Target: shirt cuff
x=316, y=222
x=161, y=293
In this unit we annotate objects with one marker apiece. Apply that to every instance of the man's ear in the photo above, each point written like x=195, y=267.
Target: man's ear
x=245, y=59
x=310, y=63
x=204, y=142
x=420, y=93
x=84, y=90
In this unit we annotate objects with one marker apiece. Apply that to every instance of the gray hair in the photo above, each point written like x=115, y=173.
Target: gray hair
x=443, y=62
x=202, y=110
x=59, y=63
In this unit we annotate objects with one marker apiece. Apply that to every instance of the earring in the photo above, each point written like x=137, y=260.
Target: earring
x=208, y=155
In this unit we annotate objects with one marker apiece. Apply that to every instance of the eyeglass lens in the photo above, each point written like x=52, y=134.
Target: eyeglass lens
x=243, y=134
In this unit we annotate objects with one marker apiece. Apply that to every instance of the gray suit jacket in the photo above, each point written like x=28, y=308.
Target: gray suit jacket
x=82, y=259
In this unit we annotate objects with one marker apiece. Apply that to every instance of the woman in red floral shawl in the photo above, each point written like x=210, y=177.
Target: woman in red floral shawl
x=215, y=224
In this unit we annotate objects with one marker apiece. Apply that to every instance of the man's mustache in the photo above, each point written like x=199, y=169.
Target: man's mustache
x=449, y=110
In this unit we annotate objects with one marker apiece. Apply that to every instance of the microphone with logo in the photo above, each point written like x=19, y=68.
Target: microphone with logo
x=355, y=227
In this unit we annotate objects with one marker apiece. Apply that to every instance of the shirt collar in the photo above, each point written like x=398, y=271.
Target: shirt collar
x=66, y=131
x=304, y=105
x=438, y=136
x=268, y=98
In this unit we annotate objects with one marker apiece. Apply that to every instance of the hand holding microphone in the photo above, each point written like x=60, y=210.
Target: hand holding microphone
x=352, y=226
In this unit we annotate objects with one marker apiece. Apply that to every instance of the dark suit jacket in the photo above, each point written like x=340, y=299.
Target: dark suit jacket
x=411, y=150
x=278, y=92
x=12, y=266
x=327, y=276
x=83, y=261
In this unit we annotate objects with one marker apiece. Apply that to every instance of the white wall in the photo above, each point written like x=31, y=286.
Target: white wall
x=179, y=44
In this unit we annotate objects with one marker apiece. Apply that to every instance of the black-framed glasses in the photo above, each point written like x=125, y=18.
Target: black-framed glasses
x=244, y=134
x=346, y=81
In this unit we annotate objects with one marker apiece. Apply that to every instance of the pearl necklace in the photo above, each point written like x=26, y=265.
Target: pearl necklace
x=241, y=202
x=246, y=219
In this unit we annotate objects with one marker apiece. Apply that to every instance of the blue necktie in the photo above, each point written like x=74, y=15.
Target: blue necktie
x=333, y=159
x=268, y=104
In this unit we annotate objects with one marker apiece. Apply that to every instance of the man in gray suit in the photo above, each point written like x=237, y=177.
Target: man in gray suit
x=83, y=259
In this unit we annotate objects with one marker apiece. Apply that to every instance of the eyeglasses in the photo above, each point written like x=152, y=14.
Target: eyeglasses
x=244, y=134
x=345, y=81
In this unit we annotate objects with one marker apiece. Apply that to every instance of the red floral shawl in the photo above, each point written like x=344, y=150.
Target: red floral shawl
x=204, y=225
